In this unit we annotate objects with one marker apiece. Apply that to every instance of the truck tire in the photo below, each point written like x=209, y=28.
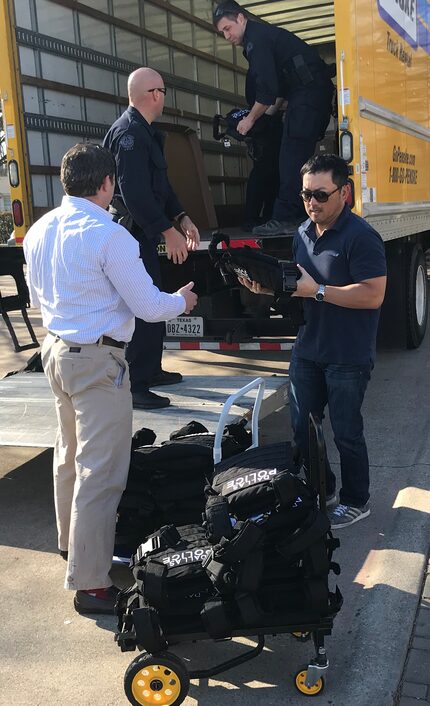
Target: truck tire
x=417, y=298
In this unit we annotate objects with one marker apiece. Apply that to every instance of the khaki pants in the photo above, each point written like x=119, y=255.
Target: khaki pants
x=92, y=452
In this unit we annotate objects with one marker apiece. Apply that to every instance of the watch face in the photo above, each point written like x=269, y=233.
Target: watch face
x=319, y=296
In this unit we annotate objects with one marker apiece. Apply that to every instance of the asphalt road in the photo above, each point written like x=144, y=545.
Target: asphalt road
x=49, y=655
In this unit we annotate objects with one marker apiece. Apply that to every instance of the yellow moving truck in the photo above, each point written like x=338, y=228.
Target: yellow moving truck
x=383, y=80
x=62, y=80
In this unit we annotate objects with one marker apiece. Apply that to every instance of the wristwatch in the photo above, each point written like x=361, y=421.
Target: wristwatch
x=320, y=293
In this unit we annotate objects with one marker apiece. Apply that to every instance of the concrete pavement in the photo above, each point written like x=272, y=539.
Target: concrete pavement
x=50, y=655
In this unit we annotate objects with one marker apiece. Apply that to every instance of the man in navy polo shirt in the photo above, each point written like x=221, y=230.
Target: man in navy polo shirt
x=342, y=261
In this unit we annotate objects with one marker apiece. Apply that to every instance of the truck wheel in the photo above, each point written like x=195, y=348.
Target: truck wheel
x=417, y=301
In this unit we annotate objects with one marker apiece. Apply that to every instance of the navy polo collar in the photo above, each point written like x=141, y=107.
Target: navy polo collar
x=308, y=226
x=139, y=117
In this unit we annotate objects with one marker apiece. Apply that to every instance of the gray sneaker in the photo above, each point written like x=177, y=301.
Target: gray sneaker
x=345, y=515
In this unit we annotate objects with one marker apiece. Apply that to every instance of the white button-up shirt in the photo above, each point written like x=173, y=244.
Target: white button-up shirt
x=85, y=274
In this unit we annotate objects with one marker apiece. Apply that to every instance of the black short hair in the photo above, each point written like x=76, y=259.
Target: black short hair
x=84, y=168
x=229, y=8
x=327, y=163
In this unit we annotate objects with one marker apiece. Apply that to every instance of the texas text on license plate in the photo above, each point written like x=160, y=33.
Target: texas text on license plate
x=185, y=326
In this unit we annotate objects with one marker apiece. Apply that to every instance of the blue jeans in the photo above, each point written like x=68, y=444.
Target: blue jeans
x=342, y=388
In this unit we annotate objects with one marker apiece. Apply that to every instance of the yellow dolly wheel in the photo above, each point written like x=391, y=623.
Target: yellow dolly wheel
x=156, y=680
x=300, y=683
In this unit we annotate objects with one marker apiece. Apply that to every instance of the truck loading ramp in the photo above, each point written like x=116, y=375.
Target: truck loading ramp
x=27, y=410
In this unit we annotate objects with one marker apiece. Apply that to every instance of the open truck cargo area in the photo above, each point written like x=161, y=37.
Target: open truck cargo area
x=64, y=80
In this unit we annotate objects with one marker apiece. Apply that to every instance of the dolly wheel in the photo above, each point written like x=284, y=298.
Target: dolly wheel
x=300, y=683
x=160, y=679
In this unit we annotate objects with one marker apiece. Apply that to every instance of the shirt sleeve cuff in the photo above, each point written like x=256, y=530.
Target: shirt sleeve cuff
x=265, y=99
x=153, y=230
x=173, y=208
x=181, y=303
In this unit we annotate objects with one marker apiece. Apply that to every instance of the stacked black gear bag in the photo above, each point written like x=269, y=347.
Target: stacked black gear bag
x=258, y=563
x=166, y=481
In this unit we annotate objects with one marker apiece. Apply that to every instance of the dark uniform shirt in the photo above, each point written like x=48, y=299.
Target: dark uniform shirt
x=349, y=252
x=141, y=174
x=272, y=56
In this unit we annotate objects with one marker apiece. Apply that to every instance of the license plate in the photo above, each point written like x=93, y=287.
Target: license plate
x=185, y=326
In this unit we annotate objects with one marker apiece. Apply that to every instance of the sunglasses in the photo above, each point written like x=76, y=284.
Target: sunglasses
x=162, y=90
x=318, y=195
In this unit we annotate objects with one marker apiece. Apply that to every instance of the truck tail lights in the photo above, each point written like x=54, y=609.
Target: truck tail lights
x=17, y=212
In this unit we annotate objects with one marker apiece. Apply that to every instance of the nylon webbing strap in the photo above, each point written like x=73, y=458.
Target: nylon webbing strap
x=303, y=539
x=237, y=548
x=317, y=563
x=286, y=488
x=236, y=563
x=336, y=600
x=148, y=630
x=131, y=596
x=250, y=610
x=251, y=572
x=215, y=618
x=152, y=585
x=223, y=577
x=217, y=519
x=244, y=575
x=317, y=596
x=167, y=536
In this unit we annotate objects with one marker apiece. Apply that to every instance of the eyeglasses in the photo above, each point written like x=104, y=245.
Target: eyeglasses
x=318, y=195
x=162, y=90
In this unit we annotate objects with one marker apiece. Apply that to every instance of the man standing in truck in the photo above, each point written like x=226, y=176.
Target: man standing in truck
x=144, y=197
x=286, y=68
x=343, y=277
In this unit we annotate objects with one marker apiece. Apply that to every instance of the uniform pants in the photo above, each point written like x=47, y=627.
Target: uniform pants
x=306, y=119
x=263, y=182
x=91, y=454
x=145, y=349
x=342, y=388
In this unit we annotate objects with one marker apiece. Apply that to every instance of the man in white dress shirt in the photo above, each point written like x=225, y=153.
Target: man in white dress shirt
x=85, y=274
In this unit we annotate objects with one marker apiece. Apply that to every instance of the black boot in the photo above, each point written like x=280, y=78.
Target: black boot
x=274, y=227
x=149, y=400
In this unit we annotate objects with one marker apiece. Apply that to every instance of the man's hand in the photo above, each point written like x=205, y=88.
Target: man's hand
x=254, y=287
x=244, y=126
x=189, y=296
x=191, y=233
x=306, y=285
x=176, y=246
